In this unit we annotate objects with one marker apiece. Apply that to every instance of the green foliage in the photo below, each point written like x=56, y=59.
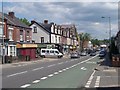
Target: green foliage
x=25, y=21
x=95, y=42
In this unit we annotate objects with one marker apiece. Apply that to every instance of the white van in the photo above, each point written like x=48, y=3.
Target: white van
x=50, y=53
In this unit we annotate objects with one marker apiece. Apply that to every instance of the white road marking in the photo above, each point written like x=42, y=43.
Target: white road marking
x=25, y=86
x=67, y=68
x=97, y=81
x=37, y=68
x=64, y=69
x=60, y=71
x=51, y=65
x=56, y=73
x=50, y=75
x=60, y=63
x=17, y=73
x=90, y=80
x=43, y=78
x=36, y=81
x=83, y=68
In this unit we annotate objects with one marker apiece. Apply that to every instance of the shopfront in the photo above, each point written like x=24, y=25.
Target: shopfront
x=26, y=50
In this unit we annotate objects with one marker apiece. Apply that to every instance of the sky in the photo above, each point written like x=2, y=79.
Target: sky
x=85, y=15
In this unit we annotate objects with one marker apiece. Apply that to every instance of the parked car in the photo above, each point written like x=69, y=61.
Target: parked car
x=83, y=53
x=74, y=55
x=102, y=54
x=50, y=53
x=93, y=53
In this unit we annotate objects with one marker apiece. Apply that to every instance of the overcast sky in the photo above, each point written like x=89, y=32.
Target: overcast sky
x=85, y=15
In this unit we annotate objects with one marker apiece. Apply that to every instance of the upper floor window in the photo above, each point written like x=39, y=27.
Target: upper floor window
x=10, y=34
x=28, y=33
x=34, y=29
x=21, y=35
x=56, y=39
x=42, y=39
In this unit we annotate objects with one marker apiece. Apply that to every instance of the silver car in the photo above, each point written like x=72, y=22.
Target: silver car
x=75, y=55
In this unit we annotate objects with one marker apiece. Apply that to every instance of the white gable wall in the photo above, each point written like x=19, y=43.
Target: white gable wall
x=40, y=33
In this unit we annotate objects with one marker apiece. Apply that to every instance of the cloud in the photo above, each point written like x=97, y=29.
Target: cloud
x=85, y=15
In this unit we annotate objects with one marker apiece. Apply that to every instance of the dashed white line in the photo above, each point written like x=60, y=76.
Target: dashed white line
x=43, y=78
x=67, y=68
x=37, y=68
x=36, y=81
x=17, y=73
x=51, y=65
x=60, y=71
x=25, y=86
x=64, y=69
x=60, y=63
x=50, y=75
x=56, y=73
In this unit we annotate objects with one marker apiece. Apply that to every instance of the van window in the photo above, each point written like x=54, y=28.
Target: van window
x=51, y=51
x=47, y=51
x=57, y=52
x=43, y=51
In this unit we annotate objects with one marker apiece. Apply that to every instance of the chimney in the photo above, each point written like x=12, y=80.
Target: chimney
x=45, y=21
x=11, y=14
x=32, y=21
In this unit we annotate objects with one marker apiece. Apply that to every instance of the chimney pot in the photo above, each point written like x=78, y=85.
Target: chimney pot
x=11, y=14
x=45, y=21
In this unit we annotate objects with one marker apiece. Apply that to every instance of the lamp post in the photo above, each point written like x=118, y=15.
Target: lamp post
x=109, y=19
x=3, y=37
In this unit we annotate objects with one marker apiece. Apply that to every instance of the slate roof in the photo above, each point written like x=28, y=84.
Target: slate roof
x=13, y=21
x=46, y=27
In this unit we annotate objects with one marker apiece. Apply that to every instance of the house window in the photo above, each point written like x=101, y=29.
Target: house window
x=42, y=39
x=34, y=29
x=10, y=35
x=21, y=35
x=12, y=51
x=59, y=39
x=28, y=35
x=56, y=39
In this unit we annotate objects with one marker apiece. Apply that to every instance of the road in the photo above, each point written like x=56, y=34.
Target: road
x=61, y=73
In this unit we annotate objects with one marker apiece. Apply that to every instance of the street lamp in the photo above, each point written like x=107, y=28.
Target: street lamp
x=109, y=19
x=3, y=37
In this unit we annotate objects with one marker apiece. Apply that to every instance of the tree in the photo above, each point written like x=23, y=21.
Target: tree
x=95, y=42
x=25, y=21
x=84, y=37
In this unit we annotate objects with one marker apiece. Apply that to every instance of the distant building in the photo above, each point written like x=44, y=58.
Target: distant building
x=117, y=41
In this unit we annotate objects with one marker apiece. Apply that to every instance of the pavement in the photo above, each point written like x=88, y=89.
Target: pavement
x=19, y=63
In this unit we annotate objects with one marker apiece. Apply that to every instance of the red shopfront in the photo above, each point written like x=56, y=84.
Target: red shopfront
x=27, y=50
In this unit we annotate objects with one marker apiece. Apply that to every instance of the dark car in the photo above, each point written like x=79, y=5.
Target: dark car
x=93, y=53
x=102, y=54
